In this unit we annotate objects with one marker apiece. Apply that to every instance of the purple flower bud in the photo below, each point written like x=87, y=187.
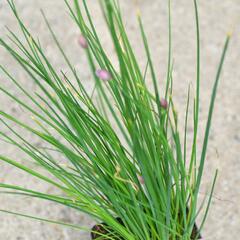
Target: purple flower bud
x=103, y=74
x=82, y=41
x=163, y=103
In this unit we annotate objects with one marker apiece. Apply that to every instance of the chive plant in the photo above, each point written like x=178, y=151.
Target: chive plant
x=141, y=183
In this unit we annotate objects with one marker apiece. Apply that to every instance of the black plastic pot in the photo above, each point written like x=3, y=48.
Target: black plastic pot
x=100, y=229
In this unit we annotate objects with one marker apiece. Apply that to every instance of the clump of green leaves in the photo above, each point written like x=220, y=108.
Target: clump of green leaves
x=142, y=176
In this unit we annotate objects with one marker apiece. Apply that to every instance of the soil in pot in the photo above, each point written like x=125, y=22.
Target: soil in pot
x=100, y=229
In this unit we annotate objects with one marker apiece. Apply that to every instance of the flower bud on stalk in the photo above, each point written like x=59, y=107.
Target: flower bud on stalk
x=164, y=103
x=140, y=179
x=82, y=41
x=103, y=75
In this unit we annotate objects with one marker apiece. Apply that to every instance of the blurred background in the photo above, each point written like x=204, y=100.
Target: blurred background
x=217, y=18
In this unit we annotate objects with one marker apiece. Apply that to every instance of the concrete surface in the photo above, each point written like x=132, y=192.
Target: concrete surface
x=217, y=18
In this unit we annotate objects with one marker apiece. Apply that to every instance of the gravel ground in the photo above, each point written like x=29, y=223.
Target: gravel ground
x=217, y=18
